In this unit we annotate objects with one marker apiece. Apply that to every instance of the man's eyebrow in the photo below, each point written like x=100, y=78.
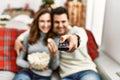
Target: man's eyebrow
x=63, y=21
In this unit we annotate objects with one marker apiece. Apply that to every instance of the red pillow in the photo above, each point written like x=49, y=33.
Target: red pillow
x=7, y=52
x=92, y=45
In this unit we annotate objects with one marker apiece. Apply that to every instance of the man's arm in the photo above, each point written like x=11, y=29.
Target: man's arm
x=77, y=37
x=19, y=46
x=23, y=35
x=72, y=40
x=18, y=42
x=82, y=35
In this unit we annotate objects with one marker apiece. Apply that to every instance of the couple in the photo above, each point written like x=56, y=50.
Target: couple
x=74, y=64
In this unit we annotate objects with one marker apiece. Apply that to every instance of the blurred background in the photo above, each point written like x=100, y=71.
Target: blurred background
x=101, y=17
x=25, y=9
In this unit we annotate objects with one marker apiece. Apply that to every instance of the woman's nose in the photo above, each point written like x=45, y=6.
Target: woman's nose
x=46, y=24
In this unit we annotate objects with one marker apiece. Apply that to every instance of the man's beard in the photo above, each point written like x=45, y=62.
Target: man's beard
x=60, y=34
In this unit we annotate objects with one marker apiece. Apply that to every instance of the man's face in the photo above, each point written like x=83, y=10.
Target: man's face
x=60, y=24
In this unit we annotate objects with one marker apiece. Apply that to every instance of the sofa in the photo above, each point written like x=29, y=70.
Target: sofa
x=8, y=66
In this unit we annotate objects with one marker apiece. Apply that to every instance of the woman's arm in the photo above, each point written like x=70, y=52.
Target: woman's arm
x=54, y=61
x=20, y=61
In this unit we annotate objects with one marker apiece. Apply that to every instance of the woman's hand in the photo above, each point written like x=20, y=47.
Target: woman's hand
x=52, y=47
x=43, y=69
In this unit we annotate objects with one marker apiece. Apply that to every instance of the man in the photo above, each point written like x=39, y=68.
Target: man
x=75, y=64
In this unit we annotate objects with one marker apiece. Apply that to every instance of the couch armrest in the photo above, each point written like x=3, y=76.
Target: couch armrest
x=6, y=75
x=107, y=67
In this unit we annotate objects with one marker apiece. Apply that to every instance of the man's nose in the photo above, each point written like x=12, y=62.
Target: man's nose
x=60, y=24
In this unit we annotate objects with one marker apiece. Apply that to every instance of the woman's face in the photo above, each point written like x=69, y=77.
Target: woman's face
x=44, y=22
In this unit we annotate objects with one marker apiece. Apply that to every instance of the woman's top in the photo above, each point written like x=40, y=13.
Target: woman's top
x=39, y=46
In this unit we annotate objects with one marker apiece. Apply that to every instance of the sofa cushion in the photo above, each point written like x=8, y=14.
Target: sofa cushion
x=6, y=75
x=7, y=52
x=92, y=45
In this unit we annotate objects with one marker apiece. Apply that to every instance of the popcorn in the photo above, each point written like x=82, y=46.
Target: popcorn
x=39, y=60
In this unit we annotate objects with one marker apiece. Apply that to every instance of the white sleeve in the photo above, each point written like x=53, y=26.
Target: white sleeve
x=23, y=35
x=82, y=34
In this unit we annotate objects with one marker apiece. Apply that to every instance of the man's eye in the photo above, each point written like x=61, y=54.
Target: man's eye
x=63, y=21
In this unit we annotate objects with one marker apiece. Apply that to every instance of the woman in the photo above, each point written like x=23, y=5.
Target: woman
x=35, y=42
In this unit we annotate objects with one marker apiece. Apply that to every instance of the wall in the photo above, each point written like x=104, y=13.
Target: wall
x=19, y=3
x=104, y=21
x=33, y=4
x=111, y=30
x=95, y=18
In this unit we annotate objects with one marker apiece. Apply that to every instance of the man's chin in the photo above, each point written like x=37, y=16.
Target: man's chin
x=60, y=34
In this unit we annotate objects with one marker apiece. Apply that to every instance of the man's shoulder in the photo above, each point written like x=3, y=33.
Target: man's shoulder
x=77, y=29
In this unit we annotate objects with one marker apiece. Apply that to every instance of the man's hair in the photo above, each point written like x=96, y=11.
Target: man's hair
x=59, y=11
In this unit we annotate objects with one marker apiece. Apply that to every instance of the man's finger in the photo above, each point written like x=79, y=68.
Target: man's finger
x=18, y=52
x=63, y=38
x=23, y=48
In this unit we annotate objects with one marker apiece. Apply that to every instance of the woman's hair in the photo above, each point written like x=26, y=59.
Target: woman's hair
x=34, y=30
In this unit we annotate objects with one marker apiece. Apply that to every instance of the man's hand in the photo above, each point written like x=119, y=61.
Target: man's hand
x=19, y=46
x=72, y=40
x=52, y=47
